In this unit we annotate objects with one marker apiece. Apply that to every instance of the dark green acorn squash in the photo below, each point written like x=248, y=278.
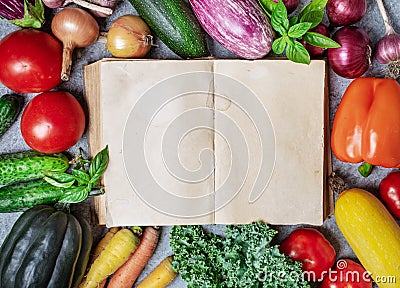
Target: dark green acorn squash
x=46, y=247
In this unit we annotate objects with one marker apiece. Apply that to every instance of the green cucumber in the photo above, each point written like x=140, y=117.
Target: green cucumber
x=10, y=107
x=23, y=195
x=29, y=165
x=175, y=24
x=58, y=187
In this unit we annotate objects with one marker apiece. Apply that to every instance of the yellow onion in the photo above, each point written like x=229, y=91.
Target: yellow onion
x=74, y=27
x=129, y=37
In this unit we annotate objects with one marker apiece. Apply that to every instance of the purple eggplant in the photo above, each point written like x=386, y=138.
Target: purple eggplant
x=23, y=13
x=239, y=26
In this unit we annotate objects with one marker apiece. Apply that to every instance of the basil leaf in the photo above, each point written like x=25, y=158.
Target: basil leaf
x=286, y=24
x=57, y=183
x=298, y=30
x=320, y=40
x=297, y=53
x=294, y=20
x=98, y=165
x=268, y=6
x=59, y=179
x=279, y=18
x=315, y=5
x=279, y=45
x=81, y=176
x=75, y=194
x=315, y=17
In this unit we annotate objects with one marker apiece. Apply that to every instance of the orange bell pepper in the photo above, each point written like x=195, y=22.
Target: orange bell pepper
x=366, y=126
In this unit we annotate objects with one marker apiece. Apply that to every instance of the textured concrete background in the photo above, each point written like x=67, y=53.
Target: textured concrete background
x=373, y=25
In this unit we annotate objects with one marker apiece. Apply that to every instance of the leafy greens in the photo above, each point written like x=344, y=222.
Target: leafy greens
x=243, y=258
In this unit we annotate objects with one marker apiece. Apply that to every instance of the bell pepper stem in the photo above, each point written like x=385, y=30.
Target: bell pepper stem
x=365, y=169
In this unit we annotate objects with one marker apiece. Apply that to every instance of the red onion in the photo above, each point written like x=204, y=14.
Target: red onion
x=388, y=47
x=314, y=50
x=345, y=12
x=290, y=5
x=103, y=9
x=353, y=58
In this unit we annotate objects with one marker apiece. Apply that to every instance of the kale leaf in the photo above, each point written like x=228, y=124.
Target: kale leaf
x=243, y=258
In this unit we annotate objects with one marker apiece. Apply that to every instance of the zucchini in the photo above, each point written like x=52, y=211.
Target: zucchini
x=372, y=233
x=10, y=107
x=43, y=249
x=29, y=165
x=175, y=24
x=23, y=195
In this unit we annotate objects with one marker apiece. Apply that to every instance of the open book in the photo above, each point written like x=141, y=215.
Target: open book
x=210, y=141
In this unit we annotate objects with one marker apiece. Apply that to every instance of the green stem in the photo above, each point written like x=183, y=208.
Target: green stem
x=365, y=169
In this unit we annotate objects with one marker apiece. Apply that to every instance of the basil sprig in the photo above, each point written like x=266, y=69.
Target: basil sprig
x=81, y=181
x=296, y=28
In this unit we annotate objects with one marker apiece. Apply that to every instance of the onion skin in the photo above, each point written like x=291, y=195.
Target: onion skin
x=129, y=37
x=242, y=27
x=345, y=12
x=353, y=58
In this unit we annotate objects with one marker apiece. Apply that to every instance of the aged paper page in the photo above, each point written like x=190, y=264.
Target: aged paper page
x=270, y=160
x=159, y=127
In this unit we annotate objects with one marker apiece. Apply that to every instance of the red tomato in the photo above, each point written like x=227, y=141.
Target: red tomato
x=30, y=61
x=348, y=274
x=52, y=122
x=310, y=247
x=389, y=190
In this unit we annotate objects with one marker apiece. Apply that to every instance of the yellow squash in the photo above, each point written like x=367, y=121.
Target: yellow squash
x=372, y=233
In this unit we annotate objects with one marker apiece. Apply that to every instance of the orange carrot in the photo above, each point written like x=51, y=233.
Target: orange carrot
x=161, y=276
x=102, y=284
x=127, y=274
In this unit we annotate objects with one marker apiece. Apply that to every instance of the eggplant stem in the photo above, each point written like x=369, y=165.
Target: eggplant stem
x=382, y=10
x=105, y=10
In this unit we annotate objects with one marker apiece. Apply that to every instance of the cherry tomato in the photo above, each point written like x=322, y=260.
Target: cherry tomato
x=348, y=274
x=52, y=122
x=310, y=247
x=30, y=61
x=389, y=190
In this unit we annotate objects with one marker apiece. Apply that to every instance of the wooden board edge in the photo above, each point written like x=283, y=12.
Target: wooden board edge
x=328, y=192
x=91, y=77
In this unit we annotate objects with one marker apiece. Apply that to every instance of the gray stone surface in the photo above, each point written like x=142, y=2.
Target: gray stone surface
x=373, y=25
